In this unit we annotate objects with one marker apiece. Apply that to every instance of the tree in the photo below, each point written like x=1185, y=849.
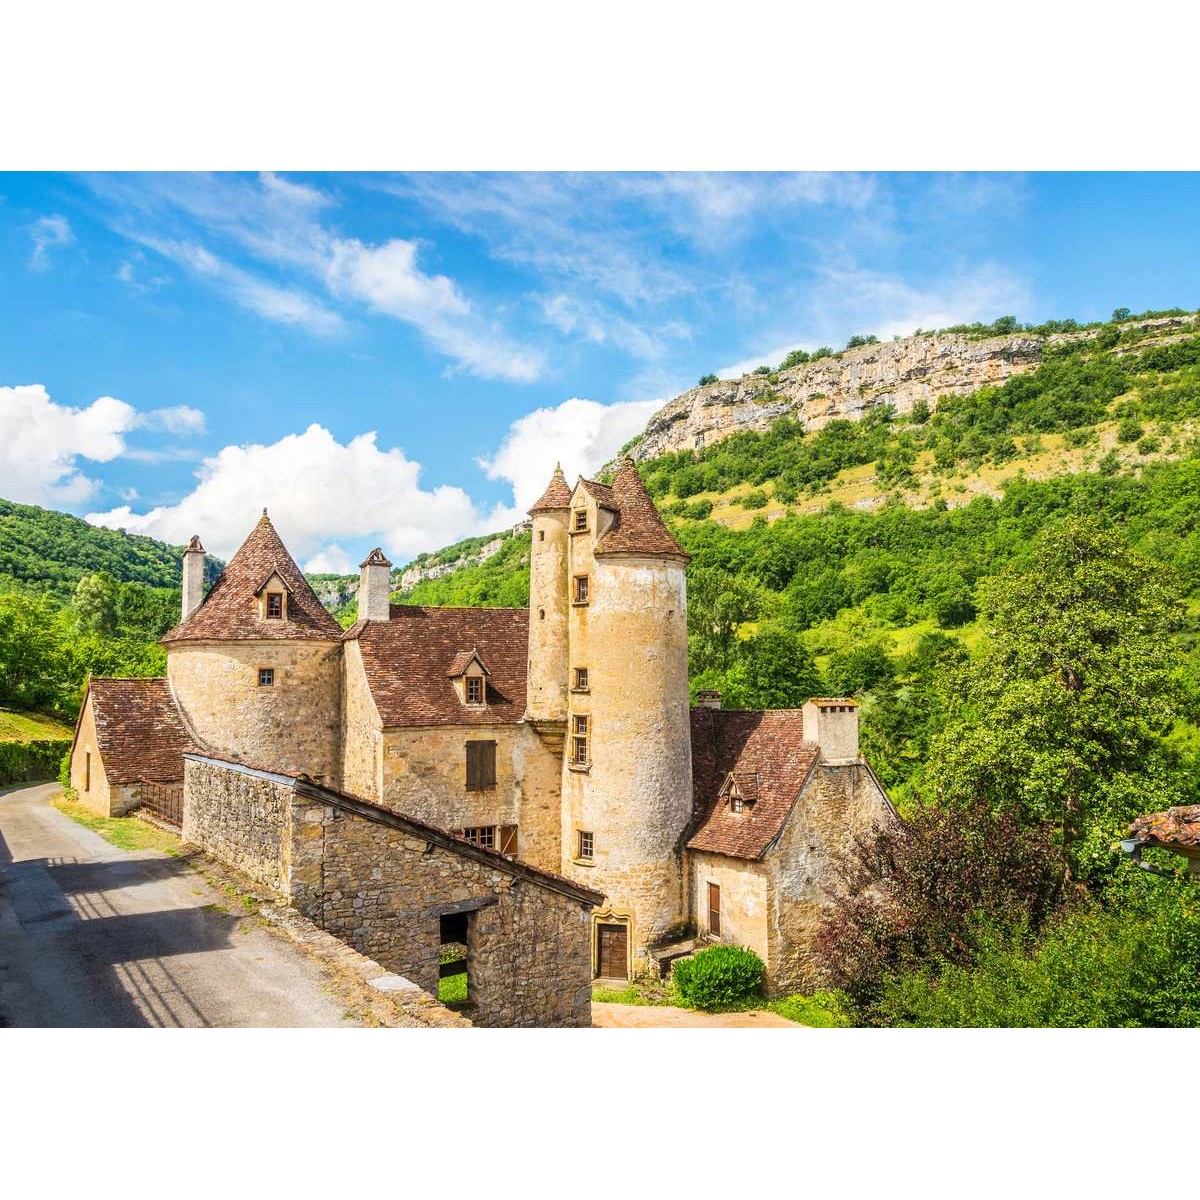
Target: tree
x=795, y=358
x=860, y=668
x=719, y=602
x=861, y=339
x=773, y=670
x=95, y=603
x=705, y=380
x=1061, y=718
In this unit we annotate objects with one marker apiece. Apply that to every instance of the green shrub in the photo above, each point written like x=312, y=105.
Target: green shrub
x=64, y=770
x=1129, y=431
x=755, y=499
x=718, y=977
x=22, y=762
x=761, y=371
x=705, y=380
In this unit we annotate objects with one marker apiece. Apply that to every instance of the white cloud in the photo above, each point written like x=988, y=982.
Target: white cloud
x=178, y=419
x=318, y=491
x=581, y=434
x=41, y=441
x=48, y=233
x=333, y=560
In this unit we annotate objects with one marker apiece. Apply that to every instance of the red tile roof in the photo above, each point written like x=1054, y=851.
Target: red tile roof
x=139, y=730
x=1177, y=828
x=406, y=662
x=638, y=528
x=230, y=610
x=557, y=496
x=768, y=756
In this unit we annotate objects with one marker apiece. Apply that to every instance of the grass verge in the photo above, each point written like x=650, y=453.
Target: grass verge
x=821, y=1010
x=126, y=833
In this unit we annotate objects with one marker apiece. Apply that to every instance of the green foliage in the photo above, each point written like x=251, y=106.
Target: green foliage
x=862, y=339
x=859, y=668
x=705, y=380
x=501, y=581
x=1132, y=965
x=821, y=1010
x=1129, y=430
x=22, y=761
x=1061, y=719
x=718, y=977
x=795, y=358
x=761, y=371
x=95, y=603
x=755, y=499
x=773, y=669
x=64, y=768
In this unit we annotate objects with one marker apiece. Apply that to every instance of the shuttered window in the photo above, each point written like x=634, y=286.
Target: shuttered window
x=508, y=840
x=483, y=836
x=714, y=910
x=481, y=766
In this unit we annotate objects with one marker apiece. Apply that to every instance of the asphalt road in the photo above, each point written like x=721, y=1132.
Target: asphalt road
x=95, y=936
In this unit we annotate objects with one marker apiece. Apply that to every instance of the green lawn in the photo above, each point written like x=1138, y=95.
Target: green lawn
x=126, y=833
x=819, y=1011
x=453, y=989
x=31, y=727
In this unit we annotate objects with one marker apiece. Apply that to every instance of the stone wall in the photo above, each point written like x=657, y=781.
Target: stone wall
x=381, y=883
x=362, y=736
x=425, y=776
x=744, y=887
x=837, y=804
x=292, y=726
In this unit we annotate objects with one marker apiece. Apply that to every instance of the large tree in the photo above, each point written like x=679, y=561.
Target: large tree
x=1062, y=717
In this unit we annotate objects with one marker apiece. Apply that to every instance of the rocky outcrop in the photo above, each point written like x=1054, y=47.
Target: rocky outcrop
x=411, y=576
x=925, y=367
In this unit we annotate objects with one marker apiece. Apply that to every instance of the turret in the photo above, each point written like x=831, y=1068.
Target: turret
x=546, y=695
x=193, y=576
x=374, y=587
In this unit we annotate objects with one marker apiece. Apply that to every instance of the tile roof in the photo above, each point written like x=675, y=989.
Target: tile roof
x=638, y=528
x=765, y=751
x=556, y=496
x=462, y=660
x=406, y=659
x=230, y=610
x=376, y=558
x=139, y=730
x=1177, y=828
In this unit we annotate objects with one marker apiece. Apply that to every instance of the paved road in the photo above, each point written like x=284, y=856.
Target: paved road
x=662, y=1016
x=95, y=936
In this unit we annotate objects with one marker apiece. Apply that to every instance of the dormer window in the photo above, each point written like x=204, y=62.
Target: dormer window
x=579, y=522
x=474, y=689
x=468, y=673
x=741, y=788
x=274, y=606
x=272, y=597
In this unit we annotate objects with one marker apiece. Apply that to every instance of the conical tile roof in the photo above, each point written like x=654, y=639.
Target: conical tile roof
x=638, y=528
x=557, y=496
x=230, y=611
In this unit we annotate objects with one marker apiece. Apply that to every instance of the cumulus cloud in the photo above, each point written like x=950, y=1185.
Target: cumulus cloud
x=581, y=434
x=48, y=233
x=319, y=491
x=41, y=441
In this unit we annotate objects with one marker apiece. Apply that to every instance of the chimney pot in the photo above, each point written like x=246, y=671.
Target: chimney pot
x=374, y=587
x=708, y=698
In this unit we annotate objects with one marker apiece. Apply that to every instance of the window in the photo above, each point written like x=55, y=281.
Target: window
x=580, y=525
x=508, y=840
x=541, y=535
x=714, y=910
x=587, y=843
x=483, y=836
x=579, y=740
x=474, y=689
x=87, y=771
x=737, y=804
x=581, y=680
x=266, y=676
x=274, y=606
x=580, y=594
x=481, y=766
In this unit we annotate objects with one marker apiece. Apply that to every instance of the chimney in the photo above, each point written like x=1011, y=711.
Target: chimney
x=193, y=576
x=374, y=587
x=708, y=698
x=833, y=724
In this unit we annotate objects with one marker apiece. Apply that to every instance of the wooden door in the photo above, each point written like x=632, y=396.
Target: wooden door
x=612, y=951
x=714, y=910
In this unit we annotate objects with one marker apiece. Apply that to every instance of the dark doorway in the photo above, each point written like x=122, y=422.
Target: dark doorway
x=612, y=951
x=454, y=980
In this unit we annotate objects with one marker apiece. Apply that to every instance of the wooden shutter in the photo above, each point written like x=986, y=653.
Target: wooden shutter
x=481, y=766
x=508, y=840
x=714, y=909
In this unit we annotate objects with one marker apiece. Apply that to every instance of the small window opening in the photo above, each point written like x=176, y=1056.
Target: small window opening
x=483, y=836
x=580, y=520
x=541, y=535
x=737, y=804
x=266, y=676
x=580, y=595
x=587, y=843
x=474, y=689
x=454, y=973
x=581, y=680
x=714, y=910
x=87, y=771
x=274, y=606
x=579, y=740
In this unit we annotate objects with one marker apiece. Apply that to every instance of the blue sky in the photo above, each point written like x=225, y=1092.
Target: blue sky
x=400, y=359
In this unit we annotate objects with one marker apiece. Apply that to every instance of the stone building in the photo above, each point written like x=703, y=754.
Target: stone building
x=558, y=737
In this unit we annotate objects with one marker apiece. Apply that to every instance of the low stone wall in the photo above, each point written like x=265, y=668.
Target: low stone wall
x=383, y=883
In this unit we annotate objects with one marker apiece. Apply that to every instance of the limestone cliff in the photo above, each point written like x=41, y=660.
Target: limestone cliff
x=923, y=367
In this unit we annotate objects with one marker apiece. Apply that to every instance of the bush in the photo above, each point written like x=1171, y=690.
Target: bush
x=705, y=380
x=718, y=977
x=755, y=499
x=26, y=762
x=1129, y=431
x=64, y=770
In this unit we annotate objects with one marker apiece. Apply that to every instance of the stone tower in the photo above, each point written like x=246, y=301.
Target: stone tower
x=256, y=666
x=627, y=772
x=546, y=693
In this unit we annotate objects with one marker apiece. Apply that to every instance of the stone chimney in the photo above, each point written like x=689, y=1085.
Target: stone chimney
x=708, y=698
x=374, y=587
x=833, y=724
x=193, y=576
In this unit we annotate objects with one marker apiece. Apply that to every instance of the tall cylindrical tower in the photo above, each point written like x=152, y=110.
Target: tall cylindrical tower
x=546, y=694
x=627, y=773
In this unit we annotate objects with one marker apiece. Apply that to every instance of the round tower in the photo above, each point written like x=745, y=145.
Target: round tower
x=255, y=666
x=546, y=692
x=627, y=777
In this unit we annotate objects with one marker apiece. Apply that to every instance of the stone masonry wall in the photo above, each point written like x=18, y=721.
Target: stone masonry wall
x=383, y=890
x=837, y=804
x=744, y=889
